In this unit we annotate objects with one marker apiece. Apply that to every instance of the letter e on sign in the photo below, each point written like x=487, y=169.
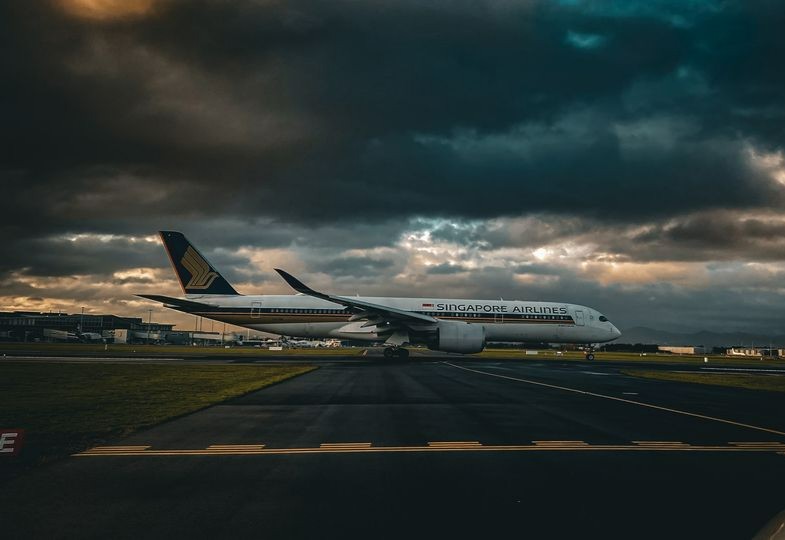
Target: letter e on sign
x=11, y=441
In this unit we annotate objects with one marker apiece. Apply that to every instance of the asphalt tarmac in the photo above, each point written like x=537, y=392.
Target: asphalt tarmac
x=431, y=448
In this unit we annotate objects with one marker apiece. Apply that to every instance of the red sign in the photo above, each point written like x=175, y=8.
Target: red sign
x=11, y=441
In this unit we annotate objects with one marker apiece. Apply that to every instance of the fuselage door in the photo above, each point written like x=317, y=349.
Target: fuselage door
x=256, y=310
x=579, y=317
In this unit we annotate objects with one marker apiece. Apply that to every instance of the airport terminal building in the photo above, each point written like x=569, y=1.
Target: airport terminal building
x=30, y=326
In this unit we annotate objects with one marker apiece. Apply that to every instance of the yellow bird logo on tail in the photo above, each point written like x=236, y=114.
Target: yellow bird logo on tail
x=201, y=275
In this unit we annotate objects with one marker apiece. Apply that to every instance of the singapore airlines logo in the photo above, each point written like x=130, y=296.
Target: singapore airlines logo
x=201, y=275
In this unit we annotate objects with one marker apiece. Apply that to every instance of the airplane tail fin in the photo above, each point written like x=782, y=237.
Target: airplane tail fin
x=196, y=275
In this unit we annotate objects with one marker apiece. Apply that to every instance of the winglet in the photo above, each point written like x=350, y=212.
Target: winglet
x=299, y=286
x=351, y=303
x=295, y=283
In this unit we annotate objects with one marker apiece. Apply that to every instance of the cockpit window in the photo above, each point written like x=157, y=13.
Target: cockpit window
x=603, y=318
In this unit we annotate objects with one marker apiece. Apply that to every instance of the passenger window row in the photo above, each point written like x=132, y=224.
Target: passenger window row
x=309, y=311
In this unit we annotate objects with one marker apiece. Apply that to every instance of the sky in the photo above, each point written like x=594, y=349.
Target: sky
x=628, y=155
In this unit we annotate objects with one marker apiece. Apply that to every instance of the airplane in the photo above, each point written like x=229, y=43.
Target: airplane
x=450, y=325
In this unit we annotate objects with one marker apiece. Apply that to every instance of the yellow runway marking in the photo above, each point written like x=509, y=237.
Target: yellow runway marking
x=120, y=448
x=235, y=447
x=755, y=443
x=346, y=445
x=450, y=444
x=560, y=443
x=456, y=446
x=663, y=443
x=623, y=400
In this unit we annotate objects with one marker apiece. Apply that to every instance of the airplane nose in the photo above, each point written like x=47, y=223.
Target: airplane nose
x=615, y=331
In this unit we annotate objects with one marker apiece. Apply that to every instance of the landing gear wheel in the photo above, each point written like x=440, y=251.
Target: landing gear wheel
x=590, y=356
x=396, y=352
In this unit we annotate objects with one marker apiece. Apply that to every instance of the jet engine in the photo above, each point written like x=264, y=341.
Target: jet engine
x=459, y=337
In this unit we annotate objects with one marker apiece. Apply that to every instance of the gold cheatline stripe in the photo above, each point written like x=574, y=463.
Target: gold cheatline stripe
x=264, y=316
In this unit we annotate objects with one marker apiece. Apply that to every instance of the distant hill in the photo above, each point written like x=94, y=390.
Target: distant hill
x=641, y=334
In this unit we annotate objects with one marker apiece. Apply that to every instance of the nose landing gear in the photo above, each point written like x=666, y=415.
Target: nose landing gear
x=396, y=352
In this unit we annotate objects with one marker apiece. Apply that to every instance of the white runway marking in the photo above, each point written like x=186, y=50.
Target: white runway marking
x=622, y=400
x=745, y=370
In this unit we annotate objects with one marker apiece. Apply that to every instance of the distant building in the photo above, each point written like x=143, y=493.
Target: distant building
x=692, y=349
x=33, y=326
x=756, y=352
x=202, y=338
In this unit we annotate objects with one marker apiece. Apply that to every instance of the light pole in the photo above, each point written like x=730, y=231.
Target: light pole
x=149, y=323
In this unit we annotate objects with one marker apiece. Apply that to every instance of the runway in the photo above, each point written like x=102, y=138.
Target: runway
x=438, y=447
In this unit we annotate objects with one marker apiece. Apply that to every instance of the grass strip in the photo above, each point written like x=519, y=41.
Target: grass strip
x=772, y=383
x=66, y=407
x=516, y=354
x=142, y=351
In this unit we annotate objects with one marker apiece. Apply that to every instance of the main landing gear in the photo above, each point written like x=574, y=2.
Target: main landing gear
x=396, y=352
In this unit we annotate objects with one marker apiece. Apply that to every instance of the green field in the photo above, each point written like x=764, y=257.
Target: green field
x=502, y=354
x=168, y=351
x=66, y=407
x=772, y=383
x=177, y=351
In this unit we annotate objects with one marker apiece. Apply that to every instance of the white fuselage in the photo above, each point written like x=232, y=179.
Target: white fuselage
x=305, y=316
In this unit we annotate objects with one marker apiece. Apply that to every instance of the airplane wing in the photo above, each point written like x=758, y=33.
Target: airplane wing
x=176, y=303
x=375, y=314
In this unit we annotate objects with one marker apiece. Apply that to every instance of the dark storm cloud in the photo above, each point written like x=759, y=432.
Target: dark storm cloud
x=701, y=236
x=537, y=269
x=231, y=233
x=310, y=112
x=446, y=269
x=356, y=266
x=62, y=256
x=713, y=232
x=713, y=236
